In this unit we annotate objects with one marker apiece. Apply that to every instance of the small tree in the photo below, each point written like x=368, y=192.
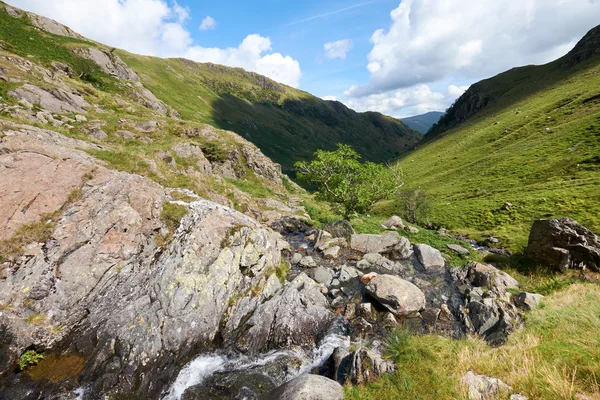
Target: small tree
x=347, y=184
x=416, y=205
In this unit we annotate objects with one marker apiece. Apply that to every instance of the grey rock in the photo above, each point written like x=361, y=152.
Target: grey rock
x=80, y=118
x=52, y=26
x=125, y=135
x=391, y=243
x=518, y=397
x=367, y=311
x=296, y=315
x=296, y=258
x=483, y=316
x=322, y=275
x=332, y=253
x=191, y=150
x=53, y=100
x=98, y=134
x=376, y=260
x=527, y=301
x=340, y=229
x=481, y=387
x=411, y=229
x=308, y=387
x=458, y=249
x=109, y=63
x=484, y=275
x=401, y=297
x=347, y=274
x=563, y=244
x=394, y=222
x=367, y=365
x=308, y=262
x=430, y=258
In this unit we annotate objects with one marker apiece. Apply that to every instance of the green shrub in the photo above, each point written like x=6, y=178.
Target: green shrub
x=214, y=153
x=29, y=358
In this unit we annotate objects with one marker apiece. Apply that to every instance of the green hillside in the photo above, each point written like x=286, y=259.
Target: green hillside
x=529, y=137
x=288, y=125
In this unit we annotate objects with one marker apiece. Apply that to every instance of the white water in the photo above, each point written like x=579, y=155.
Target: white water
x=206, y=365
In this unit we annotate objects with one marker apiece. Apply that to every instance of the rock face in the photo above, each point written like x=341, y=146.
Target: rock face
x=481, y=387
x=430, y=258
x=51, y=26
x=308, y=387
x=294, y=316
x=53, y=100
x=109, y=63
x=563, y=244
x=401, y=297
x=135, y=309
x=391, y=243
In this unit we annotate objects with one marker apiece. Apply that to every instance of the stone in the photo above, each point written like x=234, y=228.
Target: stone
x=193, y=151
x=296, y=258
x=350, y=311
x=347, y=274
x=366, y=278
x=307, y=262
x=367, y=311
x=401, y=297
x=519, y=397
x=527, y=301
x=340, y=229
x=458, y=249
x=125, y=135
x=335, y=282
x=484, y=275
x=51, y=26
x=411, y=229
x=483, y=316
x=109, y=63
x=98, y=134
x=481, y=387
x=391, y=244
x=332, y=253
x=296, y=315
x=431, y=259
x=367, y=365
x=147, y=99
x=322, y=275
x=562, y=244
x=308, y=387
x=394, y=222
x=54, y=100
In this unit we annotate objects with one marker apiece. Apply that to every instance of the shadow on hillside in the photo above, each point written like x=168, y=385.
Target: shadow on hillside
x=294, y=130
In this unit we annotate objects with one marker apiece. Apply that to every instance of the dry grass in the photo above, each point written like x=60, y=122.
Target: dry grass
x=556, y=356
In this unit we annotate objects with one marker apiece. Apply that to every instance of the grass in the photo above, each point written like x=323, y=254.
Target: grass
x=171, y=215
x=505, y=154
x=556, y=356
x=34, y=232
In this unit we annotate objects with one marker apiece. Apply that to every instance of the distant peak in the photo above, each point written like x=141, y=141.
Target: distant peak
x=587, y=48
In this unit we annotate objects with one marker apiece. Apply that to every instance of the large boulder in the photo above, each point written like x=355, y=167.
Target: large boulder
x=308, y=387
x=54, y=100
x=296, y=315
x=391, y=243
x=527, y=301
x=394, y=222
x=430, y=258
x=563, y=244
x=103, y=284
x=339, y=229
x=488, y=276
x=401, y=297
x=109, y=63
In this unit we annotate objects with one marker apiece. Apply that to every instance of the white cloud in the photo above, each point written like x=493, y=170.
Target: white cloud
x=330, y=98
x=431, y=40
x=208, y=23
x=407, y=102
x=153, y=27
x=338, y=49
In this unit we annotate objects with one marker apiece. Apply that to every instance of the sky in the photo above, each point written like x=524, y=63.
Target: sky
x=401, y=58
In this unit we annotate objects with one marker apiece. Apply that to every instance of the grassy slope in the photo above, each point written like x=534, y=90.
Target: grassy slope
x=505, y=154
x=556, y=356
x=288, y=125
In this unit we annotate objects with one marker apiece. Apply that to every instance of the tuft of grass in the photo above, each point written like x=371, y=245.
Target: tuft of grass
x=35, y=232
x=29, y=358
x=36, y=319
x=556, y=356
x=172, y=214
x=283, y=270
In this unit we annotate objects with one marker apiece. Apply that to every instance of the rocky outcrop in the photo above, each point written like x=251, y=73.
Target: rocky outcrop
x=401, y=297
x=391, y=243
x=54, y=100
x=294, y=316
x=527, y=301
x=308, y=387
x=146, y=98
x=430, y=258
x=52, y=26
x=481, y=387
x=108, y=287
x=109, y=63
x=563, y=244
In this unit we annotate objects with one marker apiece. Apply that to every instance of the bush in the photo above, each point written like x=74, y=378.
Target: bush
x=415, y=205
x=347, y=184
x=214, y=153
x=29, y=358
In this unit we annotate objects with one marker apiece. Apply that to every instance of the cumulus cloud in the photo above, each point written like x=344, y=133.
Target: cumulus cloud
x=430, y=40
x=155, y=27
x=407, y=102
x=208, y=23
x=338, y=49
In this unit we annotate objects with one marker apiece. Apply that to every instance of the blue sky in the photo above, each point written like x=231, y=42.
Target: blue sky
x=400, y=58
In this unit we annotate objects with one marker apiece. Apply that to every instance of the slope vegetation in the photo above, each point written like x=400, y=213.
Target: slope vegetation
x=422, y=123
x=529, y=137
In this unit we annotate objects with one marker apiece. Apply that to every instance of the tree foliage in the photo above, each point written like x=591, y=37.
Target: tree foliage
x=349, y=185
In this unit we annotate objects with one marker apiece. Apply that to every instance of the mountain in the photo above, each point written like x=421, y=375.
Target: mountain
x=422, y=123
x=528, y=137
